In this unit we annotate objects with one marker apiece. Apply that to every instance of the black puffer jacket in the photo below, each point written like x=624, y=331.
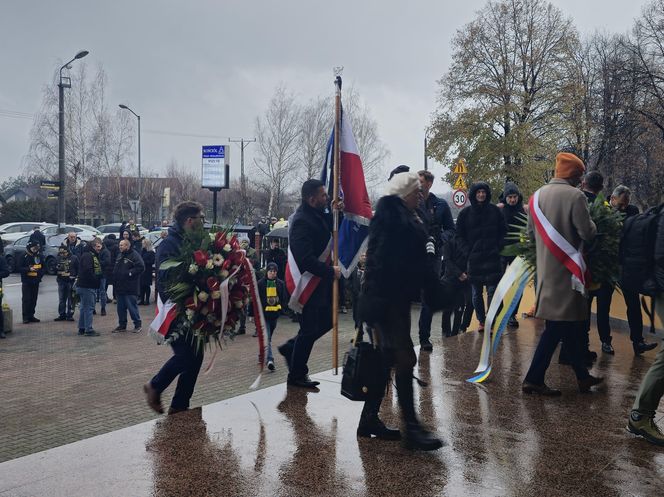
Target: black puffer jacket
x=482, y=228
x=89, y=269
x=111, y=244
x=397, y=267
x=511, y=213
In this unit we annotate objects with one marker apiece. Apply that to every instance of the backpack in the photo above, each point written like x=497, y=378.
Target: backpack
x=637, y=252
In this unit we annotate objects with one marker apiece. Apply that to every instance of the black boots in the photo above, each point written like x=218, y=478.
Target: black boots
x=371, y=425
x=416, y=437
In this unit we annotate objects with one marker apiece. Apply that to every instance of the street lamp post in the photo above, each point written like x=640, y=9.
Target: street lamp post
x=139, y=210
x=62, y=84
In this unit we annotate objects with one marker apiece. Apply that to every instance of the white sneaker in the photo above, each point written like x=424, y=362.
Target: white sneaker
x=270, y=365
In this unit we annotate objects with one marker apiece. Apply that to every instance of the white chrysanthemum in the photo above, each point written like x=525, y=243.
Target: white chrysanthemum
x=209, y=264
x=193, y=268
x=203, y=296
x=217, y=259
x=190, y=314
x=216, y=295
x=227, y=247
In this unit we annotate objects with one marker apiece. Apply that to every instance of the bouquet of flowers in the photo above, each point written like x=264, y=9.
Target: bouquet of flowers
x=601, y=255
x=210, y=282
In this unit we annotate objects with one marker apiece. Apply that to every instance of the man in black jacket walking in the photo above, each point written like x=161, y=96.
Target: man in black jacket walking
x=308, y=236
x=127, y=277
x=31, y=268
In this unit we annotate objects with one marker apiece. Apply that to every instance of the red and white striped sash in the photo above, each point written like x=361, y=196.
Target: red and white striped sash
x=561, y=249
x=301, y=285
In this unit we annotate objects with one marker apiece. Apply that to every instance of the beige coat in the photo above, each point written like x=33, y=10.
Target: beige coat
x=566, y=208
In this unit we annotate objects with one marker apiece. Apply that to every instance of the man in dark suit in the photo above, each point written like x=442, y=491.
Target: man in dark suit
x=308, y=237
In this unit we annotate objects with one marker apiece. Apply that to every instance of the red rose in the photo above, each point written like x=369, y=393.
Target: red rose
x=190, y=304
x=235, y=245
x=201, y=258
x=213, y=284
x=227, y=264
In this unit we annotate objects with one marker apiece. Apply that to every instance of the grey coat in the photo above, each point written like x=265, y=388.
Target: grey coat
x=566, y=208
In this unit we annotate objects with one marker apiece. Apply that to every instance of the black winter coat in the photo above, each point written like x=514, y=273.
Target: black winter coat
x=113, y=249
x=148, y=257
x=398, y=267
x=38, y=237
x=127, y=273
x=308, y=235
x=481, y=228
x=106, y=261
x=89, y=269
x=455, y=256
x=437, y=217
x=27, y=261
x=279, y=257
x=168, y=248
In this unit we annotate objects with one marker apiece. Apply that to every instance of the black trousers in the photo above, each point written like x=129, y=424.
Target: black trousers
x=315, y=321
x=571, y=334
x=29, y=299
x=186, y=362
x=144, y=296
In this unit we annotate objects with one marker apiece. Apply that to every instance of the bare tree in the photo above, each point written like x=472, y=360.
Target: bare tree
x=97, y=142
x=278, y=134
x=316, y=123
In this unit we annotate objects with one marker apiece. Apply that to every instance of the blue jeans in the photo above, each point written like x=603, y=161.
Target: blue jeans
x=478, y=299
x=65, y=307
x=271, y=326
x=102, y=293
x=128, y=303
x=186, y=362
x=88, y=297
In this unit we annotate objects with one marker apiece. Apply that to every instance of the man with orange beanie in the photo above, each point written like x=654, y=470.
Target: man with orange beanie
x=559, y=221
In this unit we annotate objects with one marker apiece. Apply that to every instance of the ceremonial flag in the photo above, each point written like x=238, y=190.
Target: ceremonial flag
x=354, y=226
x=166, y=313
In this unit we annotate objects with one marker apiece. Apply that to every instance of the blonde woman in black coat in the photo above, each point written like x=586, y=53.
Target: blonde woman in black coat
x=398, y=269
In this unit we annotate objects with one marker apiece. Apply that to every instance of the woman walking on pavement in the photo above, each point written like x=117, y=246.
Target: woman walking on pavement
x=397, y=270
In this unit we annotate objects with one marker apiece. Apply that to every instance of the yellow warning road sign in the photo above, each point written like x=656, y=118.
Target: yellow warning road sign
x=460, y=184
x=460, y=167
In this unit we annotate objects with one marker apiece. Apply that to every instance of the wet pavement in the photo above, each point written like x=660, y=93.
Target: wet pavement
x=282, y=441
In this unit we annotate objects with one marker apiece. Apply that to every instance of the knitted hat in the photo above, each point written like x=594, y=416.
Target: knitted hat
x=272, y=266
x=569, y=166
x=402, y=184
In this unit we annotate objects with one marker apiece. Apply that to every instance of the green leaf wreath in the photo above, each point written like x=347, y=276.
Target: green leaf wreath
x=601, y=254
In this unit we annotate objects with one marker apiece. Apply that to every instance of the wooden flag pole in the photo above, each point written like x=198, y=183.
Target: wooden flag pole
x=335, y=223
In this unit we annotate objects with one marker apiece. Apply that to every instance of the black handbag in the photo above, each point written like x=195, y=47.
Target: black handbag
x=363, y=372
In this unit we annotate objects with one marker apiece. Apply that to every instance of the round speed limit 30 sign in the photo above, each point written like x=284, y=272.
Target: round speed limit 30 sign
x=459, y=198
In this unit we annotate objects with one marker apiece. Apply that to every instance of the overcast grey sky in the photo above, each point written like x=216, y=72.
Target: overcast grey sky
x=210, y=67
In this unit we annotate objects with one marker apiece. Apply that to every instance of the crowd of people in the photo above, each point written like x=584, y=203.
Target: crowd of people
x=453, y=267
x=84, y=272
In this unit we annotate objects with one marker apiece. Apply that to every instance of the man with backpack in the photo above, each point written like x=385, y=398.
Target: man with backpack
x=638, y=263
x=642, y=417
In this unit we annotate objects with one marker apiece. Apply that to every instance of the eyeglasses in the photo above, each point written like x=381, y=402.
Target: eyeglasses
x=196, y=217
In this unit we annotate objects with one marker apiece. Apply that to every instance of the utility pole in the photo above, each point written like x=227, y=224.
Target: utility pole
x=243, y=180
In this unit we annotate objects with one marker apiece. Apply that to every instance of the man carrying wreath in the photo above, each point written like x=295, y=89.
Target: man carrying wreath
x=187, y=357
x=559, y=220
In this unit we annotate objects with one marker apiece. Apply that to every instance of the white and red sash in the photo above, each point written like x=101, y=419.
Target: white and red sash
x=166, y=313
x=301, y=285
x=561, y=249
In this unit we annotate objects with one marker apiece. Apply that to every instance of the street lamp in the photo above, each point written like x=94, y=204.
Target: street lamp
x=65, y=82
x=139, y=210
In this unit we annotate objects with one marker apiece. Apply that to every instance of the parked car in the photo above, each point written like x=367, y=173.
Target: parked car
x=10, y=232
x=15, y=250
x=89, y=228
x=83, y=234
x=155, y=235
x=107, y=229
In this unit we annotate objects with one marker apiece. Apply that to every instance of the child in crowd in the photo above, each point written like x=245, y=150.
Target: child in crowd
x=272, y=293
x=455, y=257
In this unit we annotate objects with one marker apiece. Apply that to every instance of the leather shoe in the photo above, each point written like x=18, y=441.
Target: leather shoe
x=34, y=320
x=375, y=427
x=304, y=382
x=153, y=397
x=607, y=348
x=175, y=410
x=542, y=389
x=426, y=346
x=641, y=347
x=586, y=383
